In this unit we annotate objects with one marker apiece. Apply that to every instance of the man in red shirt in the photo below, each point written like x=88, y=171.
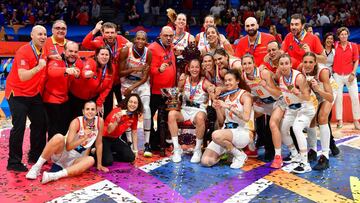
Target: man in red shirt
x=54, y=45
x=114, y=42
x=60, y=73
x=162, y=75
x=233, y=30
x=298, y=41
x=254, y=42
x=346, y=61
x=23, y=86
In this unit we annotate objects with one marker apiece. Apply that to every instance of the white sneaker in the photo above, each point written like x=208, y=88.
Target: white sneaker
x=196, y=157
x=292, y=159
x=33, y=173
x=302, y=168
x=177, y=155
x=238, y=161
x=48, y=177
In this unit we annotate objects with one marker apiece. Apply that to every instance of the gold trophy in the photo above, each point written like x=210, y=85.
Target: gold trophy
x=173, y=101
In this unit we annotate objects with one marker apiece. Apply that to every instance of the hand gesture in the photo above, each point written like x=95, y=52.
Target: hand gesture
x=100, y=110
x=42, y=64
x=89, y=74
x=351, y=77
x=295, y=91
x=127, y=91
x=314, y=85
x=163, y=67
x=306, y=47
x=263, y=83
x=98, y=26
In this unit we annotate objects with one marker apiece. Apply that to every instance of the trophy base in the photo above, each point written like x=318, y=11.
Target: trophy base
x=173, y=107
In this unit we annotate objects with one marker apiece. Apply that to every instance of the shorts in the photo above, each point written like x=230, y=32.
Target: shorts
x=241, y=138
x=263, y=108
x=189, y=114
x=66, y=158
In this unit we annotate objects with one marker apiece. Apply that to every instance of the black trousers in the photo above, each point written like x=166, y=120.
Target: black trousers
x=76, y=106
x=157, y=138
x=264, y=134
x=22, y=107
x=115, y=149
x=58, y=118
x=109, y=100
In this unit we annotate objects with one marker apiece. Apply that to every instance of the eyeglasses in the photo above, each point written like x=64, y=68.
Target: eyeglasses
x=168, y=36
x=60, y=28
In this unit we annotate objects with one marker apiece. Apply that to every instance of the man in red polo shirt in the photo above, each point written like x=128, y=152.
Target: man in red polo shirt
x=23, y=86
x=60, y=73
x=298, y=41
x=346, y=61
x=162, y=75
x=254, y=42
x=54, y=45
x=114, y=42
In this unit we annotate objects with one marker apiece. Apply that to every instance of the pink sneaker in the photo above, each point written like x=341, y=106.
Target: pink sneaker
x=277, y=162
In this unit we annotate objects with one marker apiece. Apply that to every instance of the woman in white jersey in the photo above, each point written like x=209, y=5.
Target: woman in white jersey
x=71, y=153
x=214, y=42
x=237, y=115
x=201, y=38
x=300, y=110
x=323, y=84
x=195, y=100
x=266, y=95
x=134, y=75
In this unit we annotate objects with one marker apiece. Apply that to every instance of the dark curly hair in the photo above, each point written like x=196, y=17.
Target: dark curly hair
x=140, y=108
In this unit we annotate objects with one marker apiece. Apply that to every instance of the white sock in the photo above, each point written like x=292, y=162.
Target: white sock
x=147, y=126
x=278, y=151
x=293, y=151
x=40, y=162
x=175, y=141
x=235, y=152
x=61, y=174
x=198, y=144
x=128, y=136
x=325, y=139
x=311, y=135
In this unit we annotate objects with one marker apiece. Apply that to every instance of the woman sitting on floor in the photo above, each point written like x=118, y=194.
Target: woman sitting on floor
x=71, y=153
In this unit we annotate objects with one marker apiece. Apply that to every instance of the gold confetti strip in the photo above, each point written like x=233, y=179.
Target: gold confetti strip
x=305, y=188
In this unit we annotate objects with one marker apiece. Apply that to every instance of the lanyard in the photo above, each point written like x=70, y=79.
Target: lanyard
x=142, y=56
x=34, y=50
x=103, y=73
x=192, y=90
x=113, y=52
x=252, y=50
x=180, y=38
x=229, y=92
x=302, y=35
x=67, y=65
x=90, y=123
x=288, y=81
x=168, y=55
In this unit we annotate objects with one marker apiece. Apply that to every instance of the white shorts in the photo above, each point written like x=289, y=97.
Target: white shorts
x=142, y=90
x=189, y=114
x=263, y=108
x=241, y=138
x=66, y=158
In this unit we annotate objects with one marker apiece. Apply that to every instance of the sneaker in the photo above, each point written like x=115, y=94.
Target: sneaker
x=312, y=155
x=48, y=177
x=18, y=167
x=302, y=168
x=250, y=153
x=292, y=159
x=33, y=173
x=196, y=157
x=339, y=124
x=322, y=164
x=147, y=150
x=334, y=149
x=356, y=125
x=238, y=161
x=177, y=155
x=278, y=162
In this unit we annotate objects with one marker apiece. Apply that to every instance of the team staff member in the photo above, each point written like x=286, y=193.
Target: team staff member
x=298, y=41
x=346, y=61
x=254, y=43
x=55, y=45
x=60, y=73
x=23, y=86
x=95, y=82
x=114, y=43
x=162, y=75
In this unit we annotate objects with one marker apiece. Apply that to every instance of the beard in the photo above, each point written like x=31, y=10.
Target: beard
x=252, y=32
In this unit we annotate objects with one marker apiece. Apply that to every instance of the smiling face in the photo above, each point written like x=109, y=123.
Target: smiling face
x=59, y=31
x=221, y=61
x=273, y=50
x=231, y=82
x=284, y=66
x=194, y=68
x=132, y=104
x=71, y=52
x=251, y=26
x=296, y=26
x=208, y=63
x=103, y=56
x=329, y=41
x=212, y=36
x=343, y=36
x=309, y=63
x=180, y=21
x=38, y=36
x=248, y=64
x=140, y=40
x=209, y=20
x=89, y=110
